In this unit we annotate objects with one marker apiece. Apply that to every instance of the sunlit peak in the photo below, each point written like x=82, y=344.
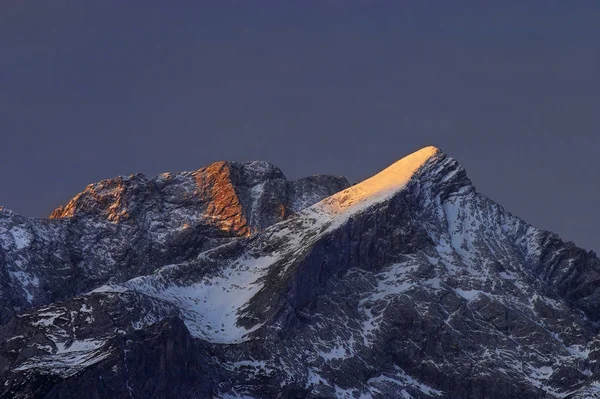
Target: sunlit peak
x=381, y=185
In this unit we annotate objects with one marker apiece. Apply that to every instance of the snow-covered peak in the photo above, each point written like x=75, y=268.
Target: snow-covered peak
x=379, y=187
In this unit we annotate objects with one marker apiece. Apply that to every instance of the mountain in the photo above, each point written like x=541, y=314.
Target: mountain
x=410, y=284
x=121, y=228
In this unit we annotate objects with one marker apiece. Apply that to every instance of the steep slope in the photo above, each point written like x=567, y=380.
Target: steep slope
x=408, y=285
x=125, y=227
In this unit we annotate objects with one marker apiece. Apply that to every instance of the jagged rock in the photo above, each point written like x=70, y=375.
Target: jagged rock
x=410, y=284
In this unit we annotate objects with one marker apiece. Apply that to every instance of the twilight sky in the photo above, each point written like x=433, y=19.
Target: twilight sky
x=95, y=89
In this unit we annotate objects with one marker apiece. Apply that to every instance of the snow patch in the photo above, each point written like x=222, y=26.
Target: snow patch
x=26, y=281
x=337, y=352
x=68, y=360
x=211, y=308
x=469, y=295
x=21, y=237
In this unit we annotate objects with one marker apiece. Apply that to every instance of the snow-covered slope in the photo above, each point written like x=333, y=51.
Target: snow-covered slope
x=410, y=284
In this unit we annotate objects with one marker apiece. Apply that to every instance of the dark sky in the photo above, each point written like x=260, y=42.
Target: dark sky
x=95, y=89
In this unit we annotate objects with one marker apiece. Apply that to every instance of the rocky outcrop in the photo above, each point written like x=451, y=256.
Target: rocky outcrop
x=235, y=198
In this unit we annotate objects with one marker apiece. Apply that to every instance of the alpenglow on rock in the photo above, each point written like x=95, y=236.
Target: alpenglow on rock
x=410, y=284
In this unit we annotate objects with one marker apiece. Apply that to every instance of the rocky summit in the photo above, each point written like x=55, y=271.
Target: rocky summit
x=233, y=282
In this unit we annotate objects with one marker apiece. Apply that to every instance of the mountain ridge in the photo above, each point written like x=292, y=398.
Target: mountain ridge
x=425, y=288
x=119, y=228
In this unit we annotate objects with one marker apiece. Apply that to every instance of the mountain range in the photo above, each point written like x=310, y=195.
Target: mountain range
x=233, y=282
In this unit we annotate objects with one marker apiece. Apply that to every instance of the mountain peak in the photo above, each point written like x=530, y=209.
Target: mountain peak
x=383, y=184
x=117, y=199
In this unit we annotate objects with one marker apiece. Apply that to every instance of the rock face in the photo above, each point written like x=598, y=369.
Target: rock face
x=410, y=284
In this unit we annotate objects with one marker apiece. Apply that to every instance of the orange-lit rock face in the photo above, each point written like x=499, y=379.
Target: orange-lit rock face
x=65, y=211
x=211, y=192
x=107, y=195
x=224, y=209
x=225, y=199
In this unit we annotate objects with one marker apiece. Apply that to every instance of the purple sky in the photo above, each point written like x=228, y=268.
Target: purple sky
x=94, y=89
